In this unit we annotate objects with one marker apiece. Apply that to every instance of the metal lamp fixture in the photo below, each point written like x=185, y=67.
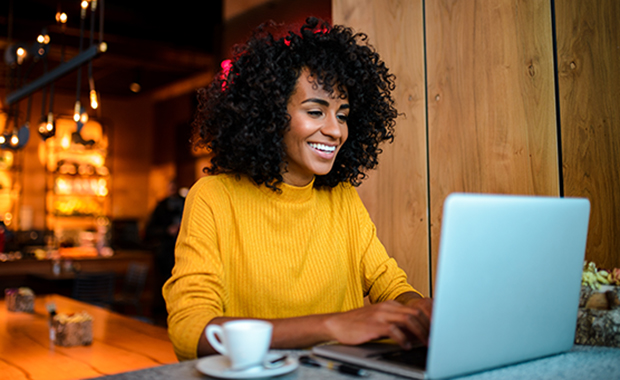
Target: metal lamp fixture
x=16, y=57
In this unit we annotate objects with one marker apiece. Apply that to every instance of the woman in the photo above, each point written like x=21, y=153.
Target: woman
x=277, y=231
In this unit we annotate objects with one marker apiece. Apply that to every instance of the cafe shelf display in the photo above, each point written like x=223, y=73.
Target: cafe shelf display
x=10, y=189
x=78, y=180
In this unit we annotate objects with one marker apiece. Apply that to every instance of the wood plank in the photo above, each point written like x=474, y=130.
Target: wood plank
x=120, y=344
x=491, y=105
x=395, y=193
x=588, y=37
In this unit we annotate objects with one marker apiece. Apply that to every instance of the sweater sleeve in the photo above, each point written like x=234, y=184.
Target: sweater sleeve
x=195, y=293
x=382, y=278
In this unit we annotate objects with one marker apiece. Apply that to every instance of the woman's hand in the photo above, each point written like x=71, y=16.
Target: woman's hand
x=405, y=322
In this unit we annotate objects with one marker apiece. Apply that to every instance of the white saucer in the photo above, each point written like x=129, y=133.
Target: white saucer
x=219, y=366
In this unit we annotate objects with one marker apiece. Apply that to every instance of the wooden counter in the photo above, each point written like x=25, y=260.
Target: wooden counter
x=115, y=263
x=39, y=276
x=120, y=344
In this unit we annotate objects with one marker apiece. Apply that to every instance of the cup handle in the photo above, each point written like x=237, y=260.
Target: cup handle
x=215, y=335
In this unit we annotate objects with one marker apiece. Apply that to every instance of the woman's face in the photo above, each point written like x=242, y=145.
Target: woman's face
x=318, y=128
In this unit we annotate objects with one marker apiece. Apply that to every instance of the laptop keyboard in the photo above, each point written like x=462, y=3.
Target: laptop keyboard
x=415, y=357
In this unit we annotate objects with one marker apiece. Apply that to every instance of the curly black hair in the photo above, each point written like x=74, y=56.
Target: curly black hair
x=242, y=115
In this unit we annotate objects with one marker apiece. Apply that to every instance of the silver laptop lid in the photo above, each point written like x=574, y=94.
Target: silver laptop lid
x=508, y=280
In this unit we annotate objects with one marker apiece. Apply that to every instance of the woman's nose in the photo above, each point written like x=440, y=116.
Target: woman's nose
x=333, y=127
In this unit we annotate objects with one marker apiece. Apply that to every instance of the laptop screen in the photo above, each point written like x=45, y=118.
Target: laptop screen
x=508, y=280
x=506, y=290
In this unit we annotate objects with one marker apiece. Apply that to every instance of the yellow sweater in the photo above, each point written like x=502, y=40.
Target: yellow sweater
x=245, y=251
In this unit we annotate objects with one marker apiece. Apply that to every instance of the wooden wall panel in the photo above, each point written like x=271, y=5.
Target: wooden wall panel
x=588, y=42
x=395, y=194
x=491, y=104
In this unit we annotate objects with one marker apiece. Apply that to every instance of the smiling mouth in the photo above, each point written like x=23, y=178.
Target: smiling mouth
x=323, y=148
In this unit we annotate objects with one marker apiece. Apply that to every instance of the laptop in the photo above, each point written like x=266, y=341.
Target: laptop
x=506, y=291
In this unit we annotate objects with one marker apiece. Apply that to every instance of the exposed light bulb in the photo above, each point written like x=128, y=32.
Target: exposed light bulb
x=2, y=139
x=94, y=103
x=84, y=5
x=61, y=17
x=84, y=117
x=43, y=39
x=21, y=54
x=45, y=128
x=14, y=140
x=77, y=110
x=50, y=122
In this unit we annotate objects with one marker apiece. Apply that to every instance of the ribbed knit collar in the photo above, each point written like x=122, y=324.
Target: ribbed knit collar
x=290, y=193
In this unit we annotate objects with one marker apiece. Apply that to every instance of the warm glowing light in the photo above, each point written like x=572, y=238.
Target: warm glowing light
x=62, y=186
x=93, y=100
x=61, y=17
x=2, y=139
x=77, y=110
x=84, y=5
x=21, y=54
x=49, y=126
x=43, y=39
x=84, y=118
x=102, y=187
x=14, y=140
x=65, y=142
x=97, y=160
x=6, y=162
x=103, y=47
x=135, y=87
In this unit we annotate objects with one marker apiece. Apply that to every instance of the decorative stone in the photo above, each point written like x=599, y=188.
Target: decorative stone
x=19, y=299
x=73, y=330
x=599, y=327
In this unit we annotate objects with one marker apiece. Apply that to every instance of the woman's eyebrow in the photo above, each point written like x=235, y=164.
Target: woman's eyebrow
x=324, y=102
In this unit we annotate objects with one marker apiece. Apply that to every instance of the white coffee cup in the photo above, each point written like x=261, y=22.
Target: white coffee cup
x=245, y=342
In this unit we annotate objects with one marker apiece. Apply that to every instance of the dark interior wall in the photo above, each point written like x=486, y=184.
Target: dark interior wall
x=171, y=133
x=293, y=12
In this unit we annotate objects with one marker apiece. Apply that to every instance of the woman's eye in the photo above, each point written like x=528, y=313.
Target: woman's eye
x=343, y=118
x=315, y=113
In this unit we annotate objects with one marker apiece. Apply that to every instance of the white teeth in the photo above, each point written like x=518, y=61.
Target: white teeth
x=323, y=147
